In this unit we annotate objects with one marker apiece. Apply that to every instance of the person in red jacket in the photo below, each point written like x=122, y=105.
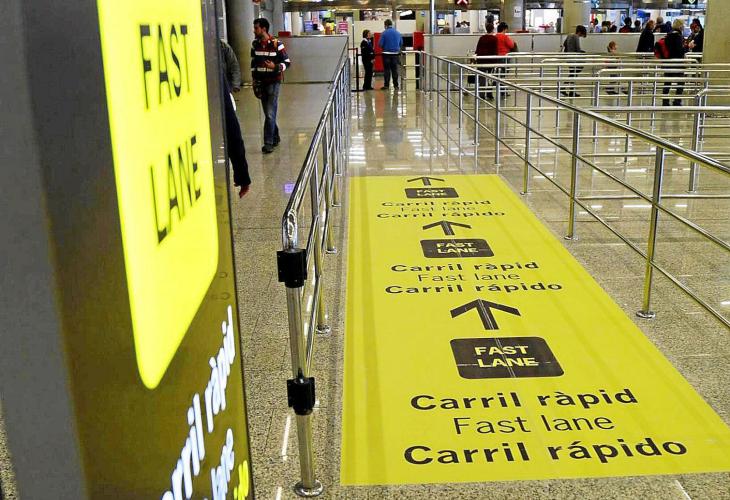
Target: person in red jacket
x=505, y=45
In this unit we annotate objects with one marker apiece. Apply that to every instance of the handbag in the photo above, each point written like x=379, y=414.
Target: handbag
x=258, y=89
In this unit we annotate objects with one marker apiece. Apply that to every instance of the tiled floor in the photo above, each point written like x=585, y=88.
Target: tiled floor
x=398, y=134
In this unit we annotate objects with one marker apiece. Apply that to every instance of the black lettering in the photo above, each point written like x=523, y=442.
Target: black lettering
x=144, y=30
x=194, y=163
x=161, y=233
x=172, y=191
x=414, y=402
x=184, y=33
x=162, y=61
x=408, y=455
x=185, y=177
x=173, y=38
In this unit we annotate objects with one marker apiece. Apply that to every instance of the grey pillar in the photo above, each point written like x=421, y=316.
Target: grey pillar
x=432, y=17
x=575, y=12
x=513, y=13
x=717, y=40
x=297, y=26
x=241, y=14
x=277, y=16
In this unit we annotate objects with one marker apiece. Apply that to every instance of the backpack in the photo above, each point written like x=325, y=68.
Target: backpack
x=661, y=51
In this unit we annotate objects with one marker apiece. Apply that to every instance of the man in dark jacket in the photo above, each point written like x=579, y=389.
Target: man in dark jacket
x=673, y=49
x=486, y=46
x=696, y=40
x=646, y=40
x=367, y=53
x=572, y=44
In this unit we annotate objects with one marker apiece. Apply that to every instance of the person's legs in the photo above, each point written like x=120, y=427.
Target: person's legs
x=270, y=104
x=235, y=146
x=666, y=88
x=368, y=83
x=394, y=70
x=386, y=70
x=680, y=89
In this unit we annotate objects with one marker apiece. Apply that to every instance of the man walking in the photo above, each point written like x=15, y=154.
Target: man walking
x=269, y=60
x=390, y=43
x=572, y=44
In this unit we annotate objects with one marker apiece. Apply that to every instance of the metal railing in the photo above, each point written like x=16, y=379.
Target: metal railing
x=301, y=267
x=446, y=80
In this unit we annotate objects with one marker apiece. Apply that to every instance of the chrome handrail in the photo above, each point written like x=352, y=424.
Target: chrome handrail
x=662, y=147
x=319, y=177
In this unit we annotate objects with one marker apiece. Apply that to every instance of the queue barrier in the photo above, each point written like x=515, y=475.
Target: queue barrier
x=301, y=261
x=444, y=77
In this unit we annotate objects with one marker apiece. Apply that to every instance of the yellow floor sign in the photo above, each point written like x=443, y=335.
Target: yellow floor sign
x=478, y=349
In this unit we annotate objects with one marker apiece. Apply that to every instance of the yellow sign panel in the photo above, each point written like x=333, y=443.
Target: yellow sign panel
x=478, y=349
x=154, y=67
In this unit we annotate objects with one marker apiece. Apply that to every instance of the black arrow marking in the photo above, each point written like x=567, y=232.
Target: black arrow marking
x=446, y=226
x=426, y=180
x=484, y=308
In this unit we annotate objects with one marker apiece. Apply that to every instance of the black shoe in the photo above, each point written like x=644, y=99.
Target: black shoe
x=677, y=102
x=277, y=141
x=268, y=148
x=611, y=92
x=665, y=102
x=383, y=88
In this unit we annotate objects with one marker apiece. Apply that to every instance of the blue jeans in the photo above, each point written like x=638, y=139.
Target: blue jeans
x=270, y=104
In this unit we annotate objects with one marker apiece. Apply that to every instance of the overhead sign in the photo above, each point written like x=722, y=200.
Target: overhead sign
x=154, y=67
x=511, y=362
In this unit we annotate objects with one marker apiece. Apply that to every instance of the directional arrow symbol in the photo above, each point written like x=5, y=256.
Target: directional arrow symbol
x=446, y=226
x=484, y=308
x=426, y=180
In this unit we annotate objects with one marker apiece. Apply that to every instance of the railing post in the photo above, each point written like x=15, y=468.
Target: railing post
x=497, y=120
x=476, y=110
x=528, y=137
x=558, y=97
x=596, y=104
x=646, y=311
x=329, y=179
x=574, y=178
x=300, y=388
x=629, y=102
x=448, y=91
x=540, y=103
x=693, y=168
x=461, y=102
x=317, y=218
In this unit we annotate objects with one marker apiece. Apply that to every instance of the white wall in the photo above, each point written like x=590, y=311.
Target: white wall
x=313, y=57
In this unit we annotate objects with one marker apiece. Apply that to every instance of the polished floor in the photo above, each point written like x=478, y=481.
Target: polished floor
x=408, y=133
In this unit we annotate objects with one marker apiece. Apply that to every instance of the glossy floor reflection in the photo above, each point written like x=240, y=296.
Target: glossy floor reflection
x=408, y=133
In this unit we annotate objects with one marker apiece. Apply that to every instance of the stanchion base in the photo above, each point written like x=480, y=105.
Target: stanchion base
x=332, y=250
x=524, y=193
x=315, y=491
x=570, y=238
x=324, y=330
x=646, y=314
